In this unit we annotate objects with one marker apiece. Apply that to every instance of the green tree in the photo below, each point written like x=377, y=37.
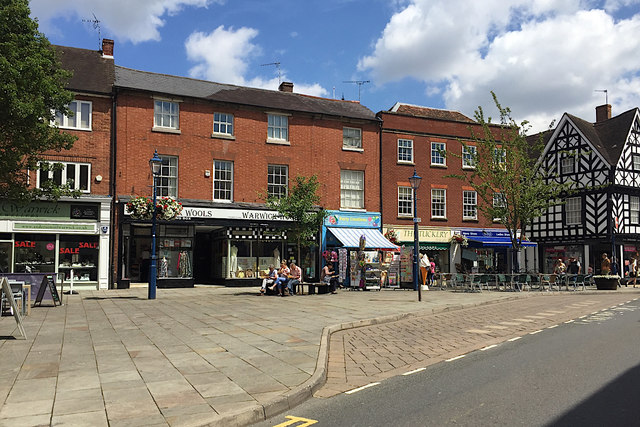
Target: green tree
x=511, y=187
x=301, y=205
x=32, y=88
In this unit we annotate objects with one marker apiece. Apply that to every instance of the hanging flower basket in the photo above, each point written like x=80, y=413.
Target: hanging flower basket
x=459, y=239
x=391, y=236
x=142, y=208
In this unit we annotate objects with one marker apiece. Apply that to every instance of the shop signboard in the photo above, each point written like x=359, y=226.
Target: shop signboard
x=425, y=235
x=406, y=264
x=352, y=219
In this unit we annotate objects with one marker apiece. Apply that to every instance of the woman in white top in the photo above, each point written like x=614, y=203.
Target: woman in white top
x=425, y=266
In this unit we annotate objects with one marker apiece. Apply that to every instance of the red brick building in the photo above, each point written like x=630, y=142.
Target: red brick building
x=72, y=236
x=223, y=147
x=413, y=138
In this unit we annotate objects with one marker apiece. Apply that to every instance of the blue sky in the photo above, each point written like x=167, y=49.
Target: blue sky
x=541, y=57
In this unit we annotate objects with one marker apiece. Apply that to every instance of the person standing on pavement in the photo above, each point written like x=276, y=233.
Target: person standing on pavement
x=295, y=274
x=425, y=265
x=633, y=271
x=559, y=267
x=605, y=264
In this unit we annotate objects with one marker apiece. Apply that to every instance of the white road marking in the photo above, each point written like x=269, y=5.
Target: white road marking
x=488, y=347
x=515, y=339
x=455, y=358
x=414, y=371
x=360, y=388
x=535, y=332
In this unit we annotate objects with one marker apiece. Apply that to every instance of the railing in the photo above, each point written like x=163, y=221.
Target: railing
x=476, y=282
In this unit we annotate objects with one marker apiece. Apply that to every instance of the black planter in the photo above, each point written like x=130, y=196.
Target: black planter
x=606, y=284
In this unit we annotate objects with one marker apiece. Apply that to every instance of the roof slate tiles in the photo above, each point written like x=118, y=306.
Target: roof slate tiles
x=91, y=72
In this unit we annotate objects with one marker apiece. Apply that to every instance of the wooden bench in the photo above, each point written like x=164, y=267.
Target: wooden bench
x=312, y=287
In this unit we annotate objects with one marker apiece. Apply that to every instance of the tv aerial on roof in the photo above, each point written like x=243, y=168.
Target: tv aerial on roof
x=277, y=64
x=359, y=83
x=606, y=95
x=96, y=26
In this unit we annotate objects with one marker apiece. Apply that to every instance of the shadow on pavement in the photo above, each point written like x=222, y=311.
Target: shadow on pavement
x=114, y=297
x=614, y=405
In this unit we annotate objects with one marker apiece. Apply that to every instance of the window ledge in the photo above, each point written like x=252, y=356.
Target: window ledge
x=222, y=201
x=407, y=217
x=439, y=218
x=165, y=130
x=468, y=168
x=438, y=166
x=223, y=136
x=359, y=150
x=278, y=141
x=404, y=162
x=470, y=220
x=70, y=128
x=353, y=209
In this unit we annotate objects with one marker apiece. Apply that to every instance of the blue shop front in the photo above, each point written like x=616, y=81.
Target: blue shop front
x=354, y=244
x=490, y=250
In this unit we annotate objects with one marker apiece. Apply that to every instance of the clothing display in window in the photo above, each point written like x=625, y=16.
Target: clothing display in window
x=342, y=266
x=164, y=267
x=233, y=259
x=184, y=264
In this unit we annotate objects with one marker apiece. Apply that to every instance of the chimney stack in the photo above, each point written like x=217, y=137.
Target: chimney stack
x=603, y=112
x=286, y=87
x=107, y=48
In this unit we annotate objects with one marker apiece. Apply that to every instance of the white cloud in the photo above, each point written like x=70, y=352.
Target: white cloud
x=541, y=57
x=141, y=22
x=224, y=56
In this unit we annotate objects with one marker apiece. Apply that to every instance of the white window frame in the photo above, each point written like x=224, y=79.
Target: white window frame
x=498, y=201
x=275, y=176
x=405, y=152
x=635, y=162
x=64, y=172
x=75, y=121
x=223, y=180
x=405, y=201
x=277, y=128
x=573, y=211
x=224, y=124
x=163, y=119
x=167, y=179
x=634, y=210
x=568, y=165
x=500, y=156
x=469, y=155
x=438, y=202
x=351, y=189
x=352, y=139
x=438, y=159
x=469, y=204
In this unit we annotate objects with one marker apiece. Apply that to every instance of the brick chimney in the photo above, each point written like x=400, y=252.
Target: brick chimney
x=107, y=48
x=286, y=87
x=603, y=112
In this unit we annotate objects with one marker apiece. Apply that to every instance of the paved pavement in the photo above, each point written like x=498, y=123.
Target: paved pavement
x=224, y=356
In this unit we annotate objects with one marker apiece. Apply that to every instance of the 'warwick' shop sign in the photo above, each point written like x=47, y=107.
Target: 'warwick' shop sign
x=226, y=213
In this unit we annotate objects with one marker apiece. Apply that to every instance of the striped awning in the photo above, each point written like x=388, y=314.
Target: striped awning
x=350, y=238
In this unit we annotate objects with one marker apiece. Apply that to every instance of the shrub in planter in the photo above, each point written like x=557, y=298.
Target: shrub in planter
x=607, y=282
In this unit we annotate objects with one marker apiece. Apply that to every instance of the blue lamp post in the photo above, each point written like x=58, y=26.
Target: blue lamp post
x=154, y=163
x=415, y=183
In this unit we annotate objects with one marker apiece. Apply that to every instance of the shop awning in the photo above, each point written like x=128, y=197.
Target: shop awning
x=350, y=238
x=494, y=241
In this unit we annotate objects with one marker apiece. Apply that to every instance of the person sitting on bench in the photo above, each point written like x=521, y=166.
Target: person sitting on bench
x=295, y=274
x=281, y=281
x=328, y=277
x=267, y=280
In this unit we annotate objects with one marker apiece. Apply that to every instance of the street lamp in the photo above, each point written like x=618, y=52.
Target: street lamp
x=154, y=163
x=415, y=183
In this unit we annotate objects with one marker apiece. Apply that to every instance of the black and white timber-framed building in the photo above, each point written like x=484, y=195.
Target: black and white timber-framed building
x=601, y=162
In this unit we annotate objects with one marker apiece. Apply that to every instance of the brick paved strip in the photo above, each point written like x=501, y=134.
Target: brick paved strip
x=373, y=353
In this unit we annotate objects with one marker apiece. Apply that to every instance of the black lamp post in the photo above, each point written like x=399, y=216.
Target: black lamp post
x=154, y=163
x=415, y=183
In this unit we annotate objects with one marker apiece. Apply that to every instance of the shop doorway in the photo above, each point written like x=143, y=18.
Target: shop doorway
x=203, y=258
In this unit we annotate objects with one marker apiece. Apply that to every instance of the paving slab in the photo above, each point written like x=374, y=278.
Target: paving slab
x=213, y=355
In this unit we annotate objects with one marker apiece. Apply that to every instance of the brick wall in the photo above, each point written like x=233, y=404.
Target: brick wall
x=315, y=148
x=424, y=131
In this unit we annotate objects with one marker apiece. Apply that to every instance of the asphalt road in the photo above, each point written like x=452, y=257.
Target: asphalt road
x=584, y=373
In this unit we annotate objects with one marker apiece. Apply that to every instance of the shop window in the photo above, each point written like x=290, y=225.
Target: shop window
x=78, y=254
x=34, y=253
x=351, y=189
x=405, y=201
x=405, y=151
x=5, y=257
